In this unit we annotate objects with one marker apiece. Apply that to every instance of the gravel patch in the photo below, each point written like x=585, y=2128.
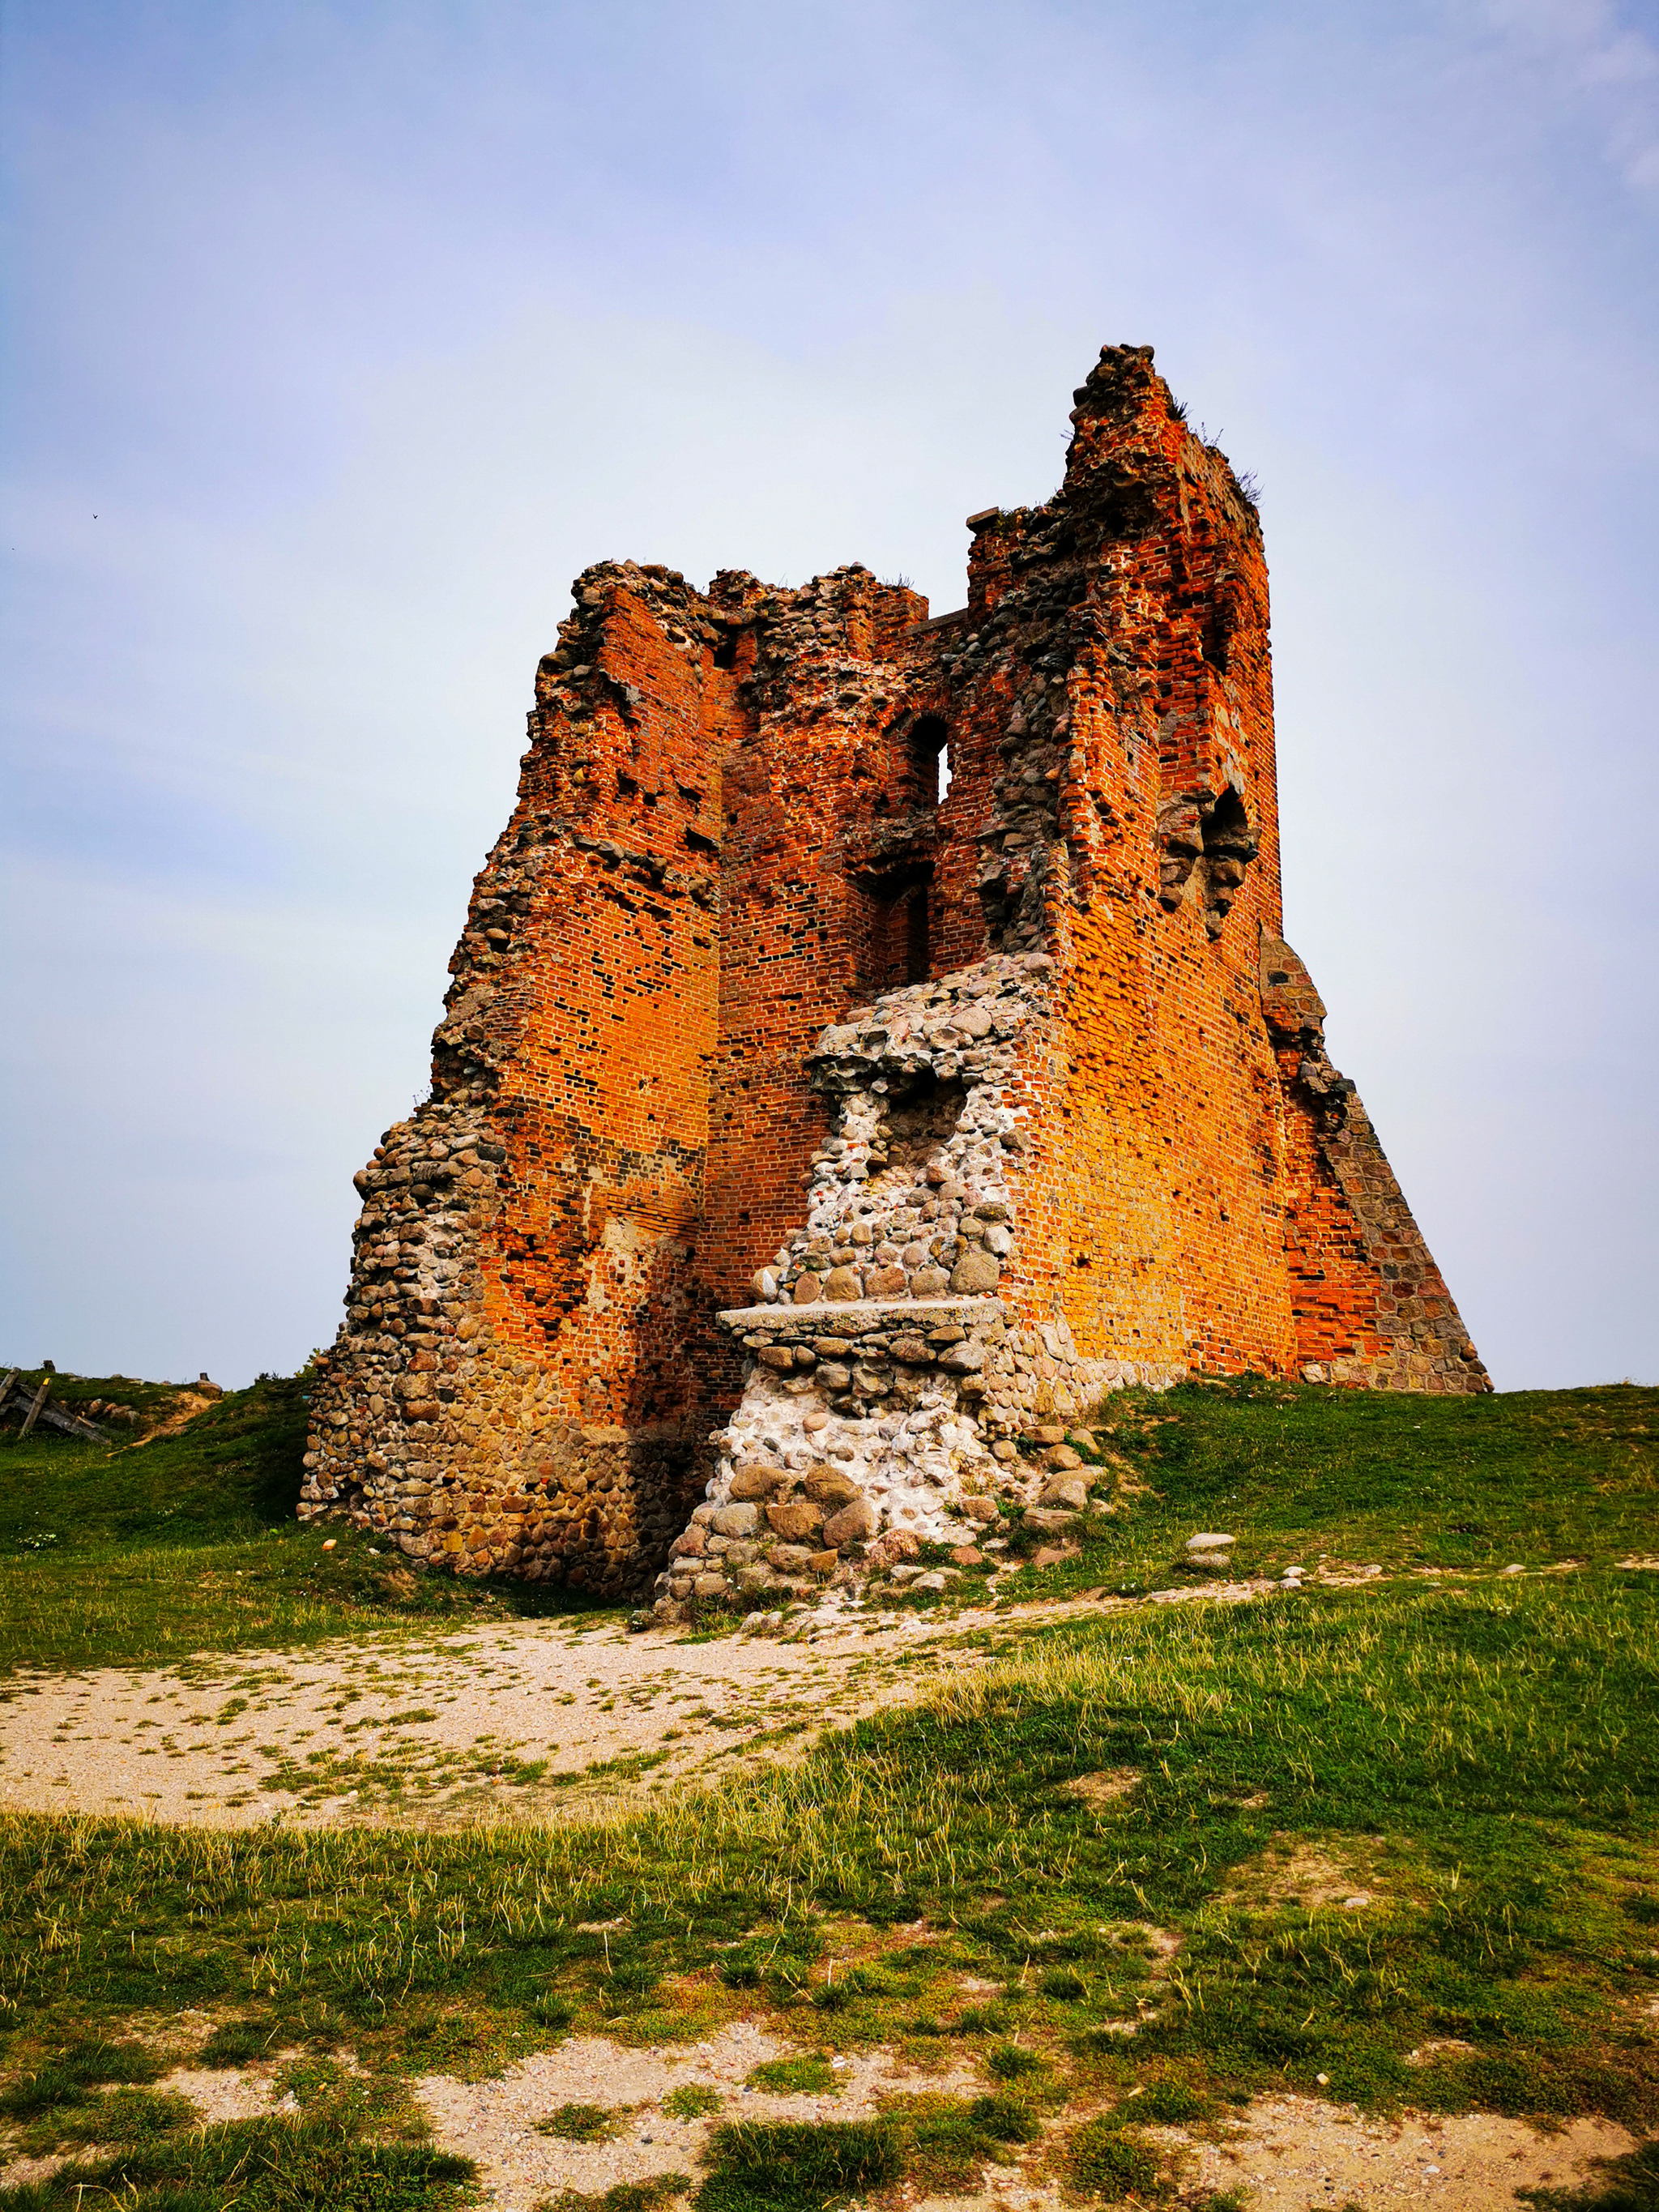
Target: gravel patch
x=1297, y=2153
x=494, y=2121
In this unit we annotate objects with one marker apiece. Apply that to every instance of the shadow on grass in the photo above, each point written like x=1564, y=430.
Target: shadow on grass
x=129, y=1553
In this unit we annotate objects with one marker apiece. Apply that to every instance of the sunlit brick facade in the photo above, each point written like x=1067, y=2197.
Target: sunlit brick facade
x=845, y=977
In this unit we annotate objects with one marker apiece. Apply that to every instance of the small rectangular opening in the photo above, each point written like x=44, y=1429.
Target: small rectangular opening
x=915, y=935
x=926, y=743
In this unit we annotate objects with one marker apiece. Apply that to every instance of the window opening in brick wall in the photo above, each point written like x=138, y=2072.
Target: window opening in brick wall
x=1230, y=846
x=926, y=743
x=1229, y=826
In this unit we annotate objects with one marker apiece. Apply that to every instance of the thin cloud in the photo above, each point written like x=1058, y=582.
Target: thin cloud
x=1602, y=65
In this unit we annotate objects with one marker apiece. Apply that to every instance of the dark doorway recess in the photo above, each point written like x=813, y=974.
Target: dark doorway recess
x=915, y=936
x=897, y=947
x=920, y=1119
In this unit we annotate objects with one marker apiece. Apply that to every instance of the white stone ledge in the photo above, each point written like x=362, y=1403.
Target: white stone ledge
x=873, y=1312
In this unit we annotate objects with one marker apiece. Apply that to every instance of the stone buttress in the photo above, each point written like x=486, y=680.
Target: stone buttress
x=806, y=1122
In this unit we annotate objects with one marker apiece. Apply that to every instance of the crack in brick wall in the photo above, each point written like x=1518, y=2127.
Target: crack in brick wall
x=753, y=1036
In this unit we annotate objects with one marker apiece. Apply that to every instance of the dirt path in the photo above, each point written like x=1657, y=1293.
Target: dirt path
x=531, y=1720
x=526, y=1720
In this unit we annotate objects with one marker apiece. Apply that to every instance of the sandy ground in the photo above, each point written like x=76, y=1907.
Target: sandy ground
x=1292, y=2154
x=1294, y=2151
x=530, y=1720
x=527, y=1720
x=496, y=2120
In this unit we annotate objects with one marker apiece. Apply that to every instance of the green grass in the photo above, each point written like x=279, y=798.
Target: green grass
x=1298, y=1474
x=122, y=2115
x=625, y=2196
x=798, y=2165
x=935, y=2144
x=1482, y=1764
x=1471, y=1757
x=691, y=2102
x=125, y=1553
x=257, y=2165
x=1105, y=2160
x=808, y=2074
x=76, y=2067
x=586, y=2124
x=233, y=2043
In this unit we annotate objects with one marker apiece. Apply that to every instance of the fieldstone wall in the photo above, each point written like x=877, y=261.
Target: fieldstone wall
x=883, y=1375
x=436, y=1434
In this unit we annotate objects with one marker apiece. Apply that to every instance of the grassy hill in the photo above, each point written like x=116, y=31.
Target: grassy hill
x=1395, y=1844
x=133, y=1552
x=136, y=1551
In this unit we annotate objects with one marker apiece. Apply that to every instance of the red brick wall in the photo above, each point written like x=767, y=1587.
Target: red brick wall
x=725, y=840
x=1127, y=698
x=612, y=976
x=1371, y=1305
x=812, y=797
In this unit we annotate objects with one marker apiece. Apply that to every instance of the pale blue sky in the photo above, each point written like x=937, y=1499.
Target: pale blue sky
x=339, y=338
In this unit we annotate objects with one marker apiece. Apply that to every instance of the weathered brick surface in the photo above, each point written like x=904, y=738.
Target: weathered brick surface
x=774, y=1092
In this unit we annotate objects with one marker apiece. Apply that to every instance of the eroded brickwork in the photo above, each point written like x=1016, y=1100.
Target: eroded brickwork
x=871, y=1036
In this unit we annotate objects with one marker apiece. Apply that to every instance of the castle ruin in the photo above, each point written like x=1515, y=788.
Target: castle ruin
x=872, y=1037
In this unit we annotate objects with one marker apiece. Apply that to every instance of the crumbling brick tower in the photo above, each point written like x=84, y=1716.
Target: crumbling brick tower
x=785, y=1084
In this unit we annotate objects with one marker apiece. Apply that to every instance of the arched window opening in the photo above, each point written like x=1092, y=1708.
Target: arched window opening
x=924, y=742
